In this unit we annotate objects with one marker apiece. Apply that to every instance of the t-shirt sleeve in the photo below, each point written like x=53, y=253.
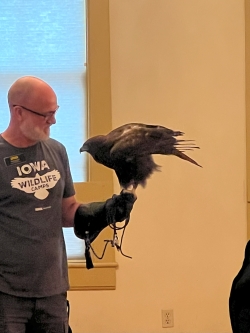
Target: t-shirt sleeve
x=69, y=190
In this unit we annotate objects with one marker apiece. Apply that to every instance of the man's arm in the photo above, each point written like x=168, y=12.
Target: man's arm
x=69, y=208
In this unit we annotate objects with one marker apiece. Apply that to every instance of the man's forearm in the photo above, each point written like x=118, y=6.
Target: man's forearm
x=69, y=208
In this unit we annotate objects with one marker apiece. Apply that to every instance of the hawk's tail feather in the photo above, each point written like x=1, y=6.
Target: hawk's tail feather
x=183, y=145
x=187, y=148
x=180, y=154
x=178, y=133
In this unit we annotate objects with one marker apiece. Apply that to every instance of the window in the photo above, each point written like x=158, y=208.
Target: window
x=49, y=42
x=39, y=56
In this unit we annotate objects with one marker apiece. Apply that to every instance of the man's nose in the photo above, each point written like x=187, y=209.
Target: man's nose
x=51, y=120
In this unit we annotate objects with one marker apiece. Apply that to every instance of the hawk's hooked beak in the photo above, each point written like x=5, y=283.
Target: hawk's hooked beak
x=84, y=148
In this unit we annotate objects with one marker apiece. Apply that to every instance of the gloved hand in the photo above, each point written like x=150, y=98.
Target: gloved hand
x=120, y=206
x=94, y=217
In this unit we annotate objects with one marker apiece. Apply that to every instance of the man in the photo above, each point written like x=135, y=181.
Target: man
x=239, y=298
x=37, y=199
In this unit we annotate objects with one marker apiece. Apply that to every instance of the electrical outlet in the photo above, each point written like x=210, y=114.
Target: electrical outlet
x=167, y=317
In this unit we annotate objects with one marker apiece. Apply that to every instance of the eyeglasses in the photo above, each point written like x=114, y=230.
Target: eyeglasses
x=46, y=116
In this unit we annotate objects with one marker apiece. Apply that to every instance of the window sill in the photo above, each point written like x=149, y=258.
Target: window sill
x=101, y=277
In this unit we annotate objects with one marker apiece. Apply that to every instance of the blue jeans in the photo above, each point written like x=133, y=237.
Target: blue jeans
x=33, y=315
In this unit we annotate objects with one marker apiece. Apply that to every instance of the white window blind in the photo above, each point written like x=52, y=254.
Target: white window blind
x=48, y=39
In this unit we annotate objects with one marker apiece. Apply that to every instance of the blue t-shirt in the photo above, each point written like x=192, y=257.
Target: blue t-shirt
x=33, y=182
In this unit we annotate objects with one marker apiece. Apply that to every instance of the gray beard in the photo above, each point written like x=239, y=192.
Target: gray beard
x=34, y=133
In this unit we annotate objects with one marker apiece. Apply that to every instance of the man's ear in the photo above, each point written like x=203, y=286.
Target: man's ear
x=17, y=112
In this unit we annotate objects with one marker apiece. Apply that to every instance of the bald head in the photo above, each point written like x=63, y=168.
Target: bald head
x=33, y=104
x=31, y=92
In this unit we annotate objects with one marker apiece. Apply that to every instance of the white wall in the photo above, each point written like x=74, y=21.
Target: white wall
x=178, y=63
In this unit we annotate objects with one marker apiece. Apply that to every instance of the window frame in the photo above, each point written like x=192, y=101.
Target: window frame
x=247, y=91
x=99, y=186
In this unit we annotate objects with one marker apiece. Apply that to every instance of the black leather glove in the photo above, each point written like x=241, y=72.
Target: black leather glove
x=91, y=219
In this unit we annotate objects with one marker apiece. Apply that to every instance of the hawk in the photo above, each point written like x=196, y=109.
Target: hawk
x=128, y=150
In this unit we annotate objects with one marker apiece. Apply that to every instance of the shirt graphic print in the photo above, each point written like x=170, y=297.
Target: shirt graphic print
x=37, y=185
